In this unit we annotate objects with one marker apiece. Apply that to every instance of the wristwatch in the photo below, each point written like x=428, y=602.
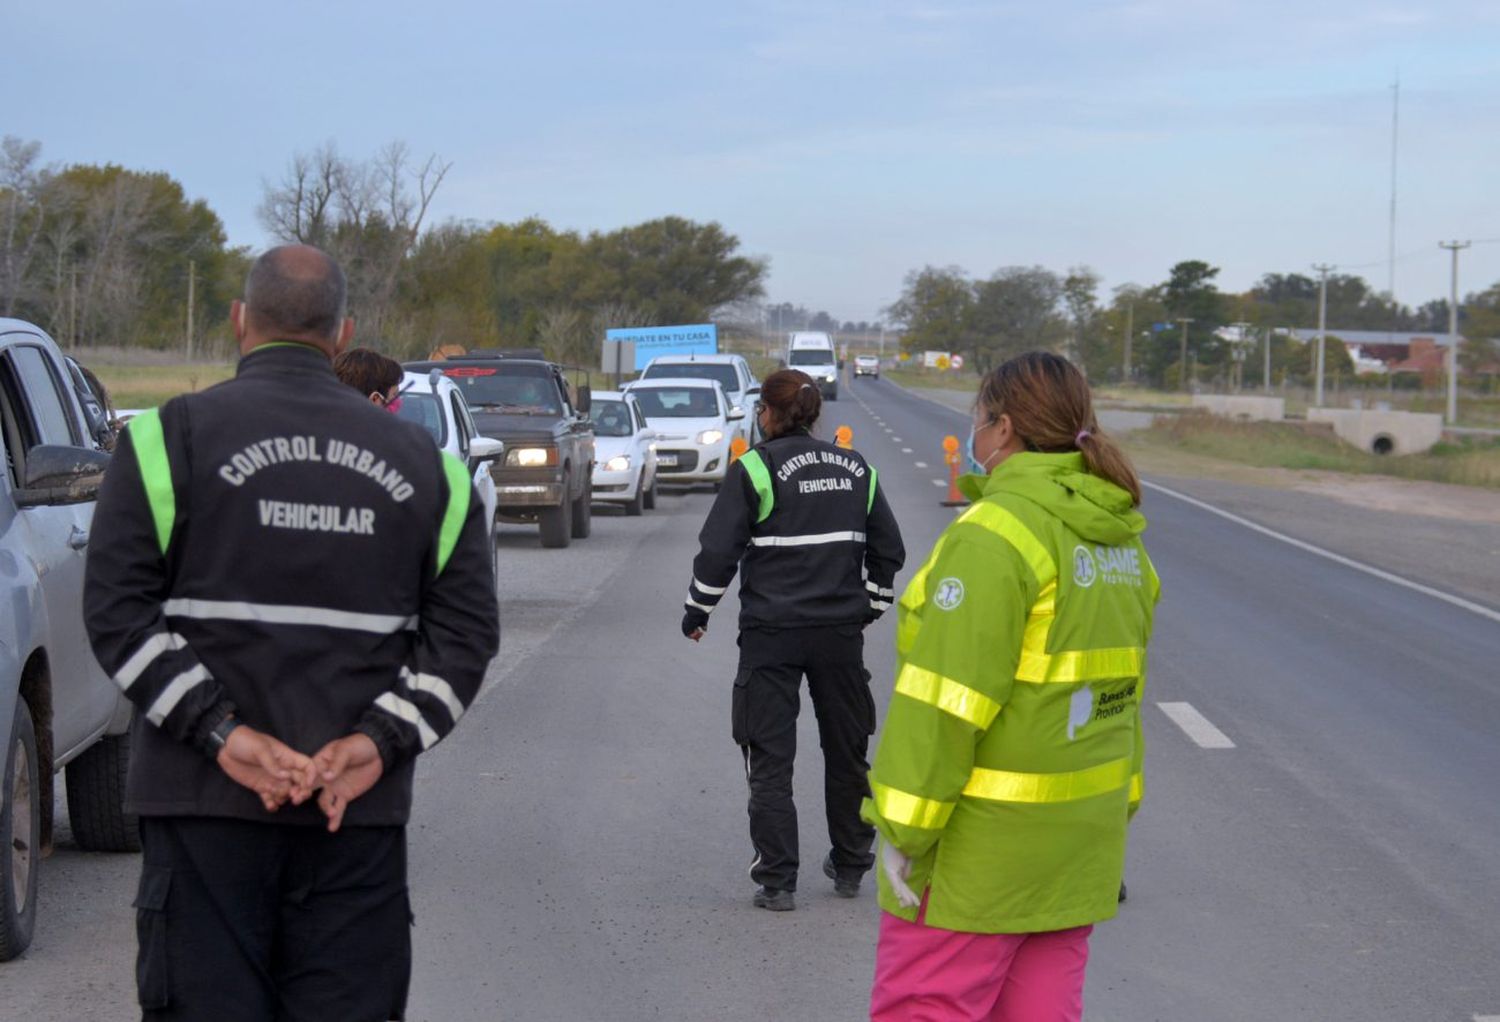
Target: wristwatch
x=219, y=736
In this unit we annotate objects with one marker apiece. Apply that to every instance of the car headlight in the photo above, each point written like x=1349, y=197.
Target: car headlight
x=619, y=463
x=531, y=457
x=710, y=436
x=828, y=378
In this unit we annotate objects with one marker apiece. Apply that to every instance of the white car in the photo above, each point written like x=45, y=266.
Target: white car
x=432, y=401
x=695, y=425
x=866, y=365
x=624, y=452
x=733, y=373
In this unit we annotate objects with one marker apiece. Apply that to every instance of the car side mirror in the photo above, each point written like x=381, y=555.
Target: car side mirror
x=61, y=475
x=585, y=398
x=735, y=414
x=484, y=448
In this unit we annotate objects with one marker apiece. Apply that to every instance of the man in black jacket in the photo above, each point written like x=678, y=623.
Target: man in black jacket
x=294, y=590
x=809, y=531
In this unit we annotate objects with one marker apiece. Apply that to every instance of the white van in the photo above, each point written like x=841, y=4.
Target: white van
x=813, y=354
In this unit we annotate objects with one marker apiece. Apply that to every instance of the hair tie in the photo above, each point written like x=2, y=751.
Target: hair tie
x=1082, y=433
x=805, y=386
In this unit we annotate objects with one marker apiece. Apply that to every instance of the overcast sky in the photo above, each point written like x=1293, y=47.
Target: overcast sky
x=846, y=142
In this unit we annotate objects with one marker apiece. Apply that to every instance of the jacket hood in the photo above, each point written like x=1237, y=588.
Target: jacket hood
x=1096, y=509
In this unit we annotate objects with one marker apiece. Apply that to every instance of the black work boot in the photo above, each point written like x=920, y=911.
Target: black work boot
x=774, y=899
x=843, y=886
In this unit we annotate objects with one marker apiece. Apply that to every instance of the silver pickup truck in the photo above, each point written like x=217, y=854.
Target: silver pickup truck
x=57, y=707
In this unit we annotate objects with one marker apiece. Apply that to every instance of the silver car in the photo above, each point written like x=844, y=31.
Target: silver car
x=57, y=707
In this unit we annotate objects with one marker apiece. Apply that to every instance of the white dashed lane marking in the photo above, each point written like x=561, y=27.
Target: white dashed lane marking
x=940, y=482
x=1196, y=726
x=896, y=439
x=906, y=450
x=921, y=464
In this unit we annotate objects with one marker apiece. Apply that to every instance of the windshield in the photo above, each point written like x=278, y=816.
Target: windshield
x=611, y=418
x=425, y=411
x=518, y=390
x=725, y=374
x=677, y=402
x=811, y=357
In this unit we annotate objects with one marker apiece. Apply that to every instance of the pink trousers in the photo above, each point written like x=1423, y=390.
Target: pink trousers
x=924, y=974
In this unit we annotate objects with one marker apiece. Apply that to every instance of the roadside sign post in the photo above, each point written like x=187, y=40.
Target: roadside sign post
x=619, y=357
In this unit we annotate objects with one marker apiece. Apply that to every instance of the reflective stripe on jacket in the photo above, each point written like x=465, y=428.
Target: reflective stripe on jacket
x=1010, y=760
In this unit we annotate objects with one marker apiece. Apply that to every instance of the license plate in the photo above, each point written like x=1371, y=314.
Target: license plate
x=667, y=459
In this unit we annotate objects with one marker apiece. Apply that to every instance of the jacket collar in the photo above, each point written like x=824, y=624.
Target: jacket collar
x=279, y=357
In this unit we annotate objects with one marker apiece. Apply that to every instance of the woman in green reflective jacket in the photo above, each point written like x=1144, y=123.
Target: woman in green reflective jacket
x=1010, y=761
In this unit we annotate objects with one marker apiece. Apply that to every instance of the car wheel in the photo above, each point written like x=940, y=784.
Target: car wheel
x=96, y=798
x=635, y=504
x=557, y=523
x=20, y=836
x=583, y=515
x=648, y=499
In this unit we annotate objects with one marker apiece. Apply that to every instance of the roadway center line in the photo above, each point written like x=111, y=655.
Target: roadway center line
x=1196, y=726
x=1348, y=562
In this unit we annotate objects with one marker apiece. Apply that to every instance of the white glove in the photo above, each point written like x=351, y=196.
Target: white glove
x=897, y=868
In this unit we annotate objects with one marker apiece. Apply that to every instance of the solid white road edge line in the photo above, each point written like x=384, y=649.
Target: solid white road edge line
x=1196, y=726
x=1348, y=562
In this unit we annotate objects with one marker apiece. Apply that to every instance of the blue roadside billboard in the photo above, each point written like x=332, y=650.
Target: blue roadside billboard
x=654, y=341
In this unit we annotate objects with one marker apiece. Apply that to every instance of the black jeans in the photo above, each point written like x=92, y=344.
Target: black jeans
x=767, y=699
x=255, y=922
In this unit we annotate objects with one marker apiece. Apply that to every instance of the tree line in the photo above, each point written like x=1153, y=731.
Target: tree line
x=1019, y=308
x=102, y=255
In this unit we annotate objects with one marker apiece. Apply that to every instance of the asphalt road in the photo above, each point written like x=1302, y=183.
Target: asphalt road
x=578, y=849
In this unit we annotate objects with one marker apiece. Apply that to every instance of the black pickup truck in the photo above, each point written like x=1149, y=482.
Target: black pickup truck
x=526, y=401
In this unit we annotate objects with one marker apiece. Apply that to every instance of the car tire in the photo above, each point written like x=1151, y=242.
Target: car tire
x=583, y=515
x=557, y=523
x=96, y=798
x=648, y=499
x=19, y=837
x=634, y=505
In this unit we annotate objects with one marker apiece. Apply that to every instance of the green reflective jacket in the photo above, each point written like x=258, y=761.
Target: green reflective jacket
x=1010, y=760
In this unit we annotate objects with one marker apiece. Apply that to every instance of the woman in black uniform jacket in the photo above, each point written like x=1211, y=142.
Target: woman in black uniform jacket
x=817, y=549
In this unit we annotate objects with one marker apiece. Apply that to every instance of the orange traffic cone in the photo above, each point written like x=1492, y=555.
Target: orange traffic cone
x=950, y=455
x=844, y=437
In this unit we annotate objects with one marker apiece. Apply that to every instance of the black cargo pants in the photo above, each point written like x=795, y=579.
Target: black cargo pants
x=256, y=922
x=767, y=697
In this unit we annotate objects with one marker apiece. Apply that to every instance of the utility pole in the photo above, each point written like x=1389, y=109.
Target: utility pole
x=1182, y=359
x=1265, y=378
x=1129, y=335
x=1452, y=359
x=192, y=282
x=1238, y=354
x=1323, y=270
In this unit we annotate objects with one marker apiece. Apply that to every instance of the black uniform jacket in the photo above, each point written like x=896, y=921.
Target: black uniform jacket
x=811, y=532
x=280, y=547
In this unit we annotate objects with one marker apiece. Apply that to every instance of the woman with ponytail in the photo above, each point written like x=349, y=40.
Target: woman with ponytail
x=807, y=528
x=1010, y=762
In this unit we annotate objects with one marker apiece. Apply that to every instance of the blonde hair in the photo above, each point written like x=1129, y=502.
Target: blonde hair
x=1052, y=411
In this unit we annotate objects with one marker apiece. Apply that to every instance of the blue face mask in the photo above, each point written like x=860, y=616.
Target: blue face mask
x=971, y=463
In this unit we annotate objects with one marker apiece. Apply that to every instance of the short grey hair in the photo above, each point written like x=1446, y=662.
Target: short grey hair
x=297, y=291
